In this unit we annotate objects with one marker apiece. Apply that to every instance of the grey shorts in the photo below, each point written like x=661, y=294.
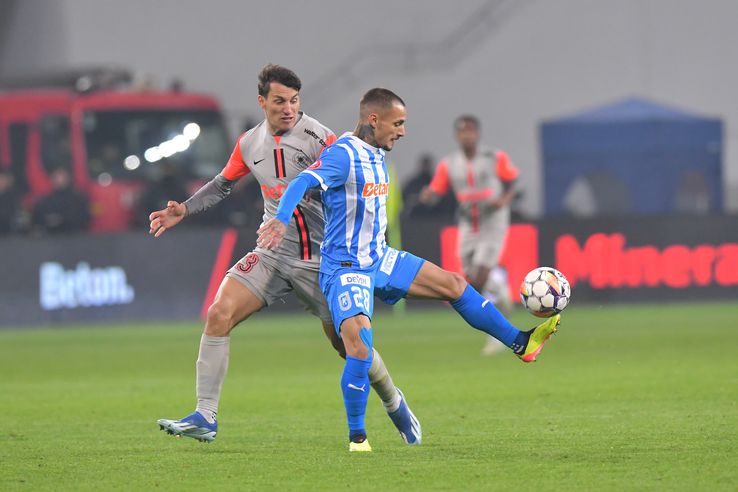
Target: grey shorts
x=483, y=247
x=271, y=277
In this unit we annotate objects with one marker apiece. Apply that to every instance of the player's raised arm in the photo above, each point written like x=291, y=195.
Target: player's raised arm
x=208, y=195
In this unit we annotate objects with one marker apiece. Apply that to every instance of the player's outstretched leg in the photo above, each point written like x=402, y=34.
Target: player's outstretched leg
x=484, y=316
x=495, y=289
x=432, y=282
x=194, y=426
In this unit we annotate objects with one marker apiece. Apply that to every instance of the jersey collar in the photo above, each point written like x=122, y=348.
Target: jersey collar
x=357, y=140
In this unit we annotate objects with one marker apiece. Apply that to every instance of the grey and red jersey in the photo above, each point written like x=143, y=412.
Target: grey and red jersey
x=474, y=181
x=274, y=161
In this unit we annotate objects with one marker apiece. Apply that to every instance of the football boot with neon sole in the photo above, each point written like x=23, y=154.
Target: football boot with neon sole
x=360, y=447
x=538, y=337
x=194, y=426
x=406, y=422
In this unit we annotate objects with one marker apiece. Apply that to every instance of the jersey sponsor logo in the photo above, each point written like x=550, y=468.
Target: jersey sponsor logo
x=355, y=278
x=389, y=260
x=248, y=263
x=274, y=192
x=315, y=136
x=375, y=189
x=344, y=301
x=315, y=165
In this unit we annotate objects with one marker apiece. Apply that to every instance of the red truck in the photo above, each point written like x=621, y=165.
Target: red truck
x=112, y=137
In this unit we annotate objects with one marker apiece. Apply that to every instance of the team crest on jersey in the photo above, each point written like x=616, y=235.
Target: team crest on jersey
x=344, y=301
x=301, y=159
x=315, y=165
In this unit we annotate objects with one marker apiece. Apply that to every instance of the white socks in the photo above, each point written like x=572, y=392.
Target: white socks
x=212, y=365
x=382, y=383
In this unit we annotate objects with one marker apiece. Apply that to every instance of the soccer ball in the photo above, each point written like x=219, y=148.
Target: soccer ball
x=545, y=292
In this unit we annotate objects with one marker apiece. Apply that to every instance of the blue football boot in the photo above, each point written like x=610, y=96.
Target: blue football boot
x=406, y=422
x=194, y=426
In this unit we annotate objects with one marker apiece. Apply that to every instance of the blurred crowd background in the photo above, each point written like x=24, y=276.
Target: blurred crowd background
x=515, y=64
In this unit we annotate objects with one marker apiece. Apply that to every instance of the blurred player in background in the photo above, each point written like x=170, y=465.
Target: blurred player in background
x=483, y=181
x=356, y=261
x=274, y=151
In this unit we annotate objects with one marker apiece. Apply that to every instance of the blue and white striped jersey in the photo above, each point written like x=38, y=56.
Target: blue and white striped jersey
x=355, y=183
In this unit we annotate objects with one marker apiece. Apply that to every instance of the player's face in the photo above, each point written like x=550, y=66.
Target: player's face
x=390, y=126
x=467, y=134
x=281, y=107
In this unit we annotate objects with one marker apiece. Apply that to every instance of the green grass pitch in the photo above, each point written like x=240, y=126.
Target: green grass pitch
x=623, y=398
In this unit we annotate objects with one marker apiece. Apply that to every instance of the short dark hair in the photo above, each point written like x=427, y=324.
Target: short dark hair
x=466, y=118
x=277, y=73
x=383, y=98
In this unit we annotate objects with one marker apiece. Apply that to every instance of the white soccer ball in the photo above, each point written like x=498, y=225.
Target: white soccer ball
x=545, y=292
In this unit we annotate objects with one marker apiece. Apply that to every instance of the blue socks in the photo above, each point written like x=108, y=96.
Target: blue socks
x=355, y=387
x=484, y=316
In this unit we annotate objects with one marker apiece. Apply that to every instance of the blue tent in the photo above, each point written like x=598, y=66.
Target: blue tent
x=633, y=156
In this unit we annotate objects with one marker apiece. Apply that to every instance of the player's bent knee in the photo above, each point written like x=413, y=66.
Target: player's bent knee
x=351, y=333
x=453, y=286
x=457, y=285
x=221, y=319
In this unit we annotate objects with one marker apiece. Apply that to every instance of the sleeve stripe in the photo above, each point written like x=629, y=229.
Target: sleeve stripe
x=318, y=177
x=235, y=168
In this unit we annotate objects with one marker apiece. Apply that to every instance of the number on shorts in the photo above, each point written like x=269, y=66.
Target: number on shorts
x=361, y=297
x=249, y=261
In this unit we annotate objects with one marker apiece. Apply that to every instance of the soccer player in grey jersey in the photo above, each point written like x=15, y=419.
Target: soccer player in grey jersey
x=483, y=182
x=275, y=151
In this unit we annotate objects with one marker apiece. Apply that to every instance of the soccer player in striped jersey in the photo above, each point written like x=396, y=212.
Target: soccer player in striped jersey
x=274, y=151
x=356, y=261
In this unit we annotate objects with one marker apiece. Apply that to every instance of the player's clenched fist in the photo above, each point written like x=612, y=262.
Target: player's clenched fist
x=271, y=234
x=162, y=220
